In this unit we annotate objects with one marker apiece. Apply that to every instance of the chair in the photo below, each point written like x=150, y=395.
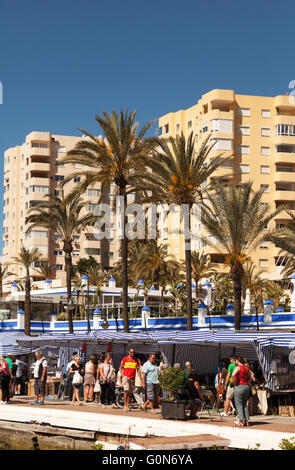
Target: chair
x=209, y=405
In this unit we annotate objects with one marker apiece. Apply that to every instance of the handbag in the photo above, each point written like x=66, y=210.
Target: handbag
x=77, y=379
x=97, y=387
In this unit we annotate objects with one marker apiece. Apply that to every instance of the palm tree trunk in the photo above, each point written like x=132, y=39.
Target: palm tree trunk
x=68, y=261
x=236, y=276
x=124, y=249
x=28, y=304
x=188, y=269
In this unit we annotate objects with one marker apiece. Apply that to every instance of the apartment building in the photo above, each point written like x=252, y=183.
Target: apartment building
x=31, y=172
x=258, y=133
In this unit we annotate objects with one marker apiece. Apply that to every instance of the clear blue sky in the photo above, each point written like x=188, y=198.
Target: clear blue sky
x=61, y=62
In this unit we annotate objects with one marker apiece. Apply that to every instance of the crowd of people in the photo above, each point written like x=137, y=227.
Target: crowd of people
x=12, y=372
x=138, y=378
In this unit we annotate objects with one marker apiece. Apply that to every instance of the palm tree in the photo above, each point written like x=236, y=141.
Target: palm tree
x=284, y=238
x=26, y=258
x=201, y=266
x=4, y=273
x=177, y=174
x=46, y=270
x=116, y=159
x=64, y=216
x=236, y=219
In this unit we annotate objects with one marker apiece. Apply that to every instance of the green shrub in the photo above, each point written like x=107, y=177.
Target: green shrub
x=287, y=444
x=171, y=380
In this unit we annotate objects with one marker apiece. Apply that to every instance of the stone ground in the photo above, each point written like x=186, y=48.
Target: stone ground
x=259, y=422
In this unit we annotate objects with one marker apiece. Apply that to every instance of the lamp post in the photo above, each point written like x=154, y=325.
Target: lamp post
x=71, y=305
x=85, y=281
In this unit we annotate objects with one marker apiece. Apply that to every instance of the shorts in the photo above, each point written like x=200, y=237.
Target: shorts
x=229, y=393
x=19, y=380
x=89, y=379
x=152, y=391
x=39, y=387
x=128, y=384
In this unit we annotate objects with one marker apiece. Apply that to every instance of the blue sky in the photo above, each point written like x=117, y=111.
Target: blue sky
x=61, y=62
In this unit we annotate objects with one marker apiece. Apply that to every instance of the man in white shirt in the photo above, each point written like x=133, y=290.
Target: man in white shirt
x=40, y=376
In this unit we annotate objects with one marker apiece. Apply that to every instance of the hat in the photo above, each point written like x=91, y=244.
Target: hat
x=9, y=354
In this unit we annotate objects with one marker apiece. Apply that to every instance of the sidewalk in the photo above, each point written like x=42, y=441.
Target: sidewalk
x=265, y=430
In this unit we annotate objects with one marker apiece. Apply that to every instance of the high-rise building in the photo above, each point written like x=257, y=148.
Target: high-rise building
x=31, y=172
x=258, y=133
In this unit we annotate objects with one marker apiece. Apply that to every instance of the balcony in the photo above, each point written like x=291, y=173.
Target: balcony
x=40, y=181
x=284, y=195
x=284, y=177
x=284, y=157
x=221, y=114
x=39, y=152
x=39, y=167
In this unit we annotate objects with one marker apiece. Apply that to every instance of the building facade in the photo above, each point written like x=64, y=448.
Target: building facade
x=258, y=134
x=31, y=171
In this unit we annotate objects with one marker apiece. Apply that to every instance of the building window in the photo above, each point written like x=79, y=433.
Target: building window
x=244, y=111
x=285, y=129
x=265, y=151
x=59, y=267
x=265, y=113
x=38, y=145
x=39, y=189
x=263, y=245
x=263, y=263
x=265, y=131
x=189, y=124
x=222, y=144
x=264, y=169
x=77, y=179
x=205, y=129
x=93, y=192
x=59, y=177
x=166, y=128
x=244, y=168
x=177, y=127
x=244, y=130
x=265, y=188
x=244, y=149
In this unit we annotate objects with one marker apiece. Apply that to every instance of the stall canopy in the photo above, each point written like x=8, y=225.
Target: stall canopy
x=9, y=344
x=203, y=349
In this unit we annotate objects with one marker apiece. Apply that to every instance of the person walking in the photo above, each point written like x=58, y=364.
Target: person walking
x=40, y=376
x=128, y=368
x=229, y=387
x=241, y=377
x=4, y=380
x=76, y=369
x=107, y=382
x=21, y=367
x=89, y=378
x=150, y=382
x=70, y=375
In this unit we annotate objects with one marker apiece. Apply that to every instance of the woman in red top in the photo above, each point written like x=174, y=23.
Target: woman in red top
x=241, y=378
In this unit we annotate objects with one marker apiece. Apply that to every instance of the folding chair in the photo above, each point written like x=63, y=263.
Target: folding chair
x=209, y=404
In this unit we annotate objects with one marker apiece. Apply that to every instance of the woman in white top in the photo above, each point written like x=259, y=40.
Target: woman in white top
x=107, y=382
x=89, y=378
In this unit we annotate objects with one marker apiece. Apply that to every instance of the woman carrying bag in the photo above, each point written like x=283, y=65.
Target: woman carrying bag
x=241, y=377
x=106, y=371
x=77, y=370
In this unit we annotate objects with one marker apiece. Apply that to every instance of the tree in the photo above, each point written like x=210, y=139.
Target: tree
x=64, y=216
x=84, y=264
x=26, y=258
x=274, y=292
x=223, y=292
x=4, y=273
x=116, y=159
x=46, y=270
x=236, y=219
x=177, y=174
x=284, y=238
x=201, y=266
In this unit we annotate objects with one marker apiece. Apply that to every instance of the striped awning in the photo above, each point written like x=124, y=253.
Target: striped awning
x=9, y=344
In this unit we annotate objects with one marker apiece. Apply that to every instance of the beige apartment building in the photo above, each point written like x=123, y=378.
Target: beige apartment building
x=258, y=133
x=30, y=172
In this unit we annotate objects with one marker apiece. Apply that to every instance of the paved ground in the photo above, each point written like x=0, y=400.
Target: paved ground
x=261, y=422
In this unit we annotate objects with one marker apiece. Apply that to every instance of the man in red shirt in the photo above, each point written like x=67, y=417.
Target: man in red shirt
x=128, y=368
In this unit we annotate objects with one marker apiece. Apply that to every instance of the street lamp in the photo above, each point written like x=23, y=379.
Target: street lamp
x=85, y=281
